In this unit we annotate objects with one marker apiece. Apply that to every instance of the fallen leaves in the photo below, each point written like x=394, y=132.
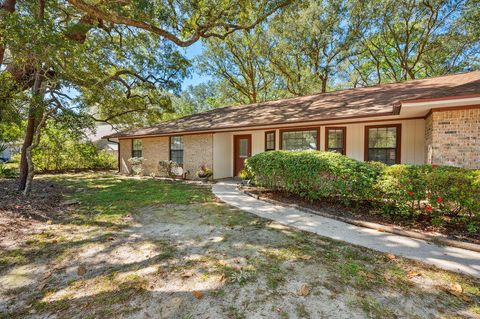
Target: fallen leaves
x=81, y=270
x=186, y=274
x=44, y=280
x=303, y=291
x=391, y=256
x=412, y=274
x=305, y=257
x=197, y=294
x=456, y=290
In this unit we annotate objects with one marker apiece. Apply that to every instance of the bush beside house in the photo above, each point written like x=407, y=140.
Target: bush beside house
x=405, y=191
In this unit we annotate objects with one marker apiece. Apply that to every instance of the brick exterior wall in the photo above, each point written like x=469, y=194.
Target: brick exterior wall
x=453, y=138
x=197, y=150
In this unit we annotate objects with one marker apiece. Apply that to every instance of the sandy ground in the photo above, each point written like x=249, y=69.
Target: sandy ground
x=206, y=260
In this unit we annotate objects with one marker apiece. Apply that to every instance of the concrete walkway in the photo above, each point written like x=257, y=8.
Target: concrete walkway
x=449, y=258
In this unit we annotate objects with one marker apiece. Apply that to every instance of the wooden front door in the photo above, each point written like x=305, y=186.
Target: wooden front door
x=242, y=148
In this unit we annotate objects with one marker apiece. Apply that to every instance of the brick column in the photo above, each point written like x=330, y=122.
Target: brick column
x=452, y=137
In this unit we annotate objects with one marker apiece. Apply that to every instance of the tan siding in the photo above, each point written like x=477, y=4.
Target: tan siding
x=222, y=155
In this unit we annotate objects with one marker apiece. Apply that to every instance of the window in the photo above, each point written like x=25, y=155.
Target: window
x=270, y=141
x=336, y=139
x=300, y=139
x=382, y=143
x=136, y=147
x=176, y=149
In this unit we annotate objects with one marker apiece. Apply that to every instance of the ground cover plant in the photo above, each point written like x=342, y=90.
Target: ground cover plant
x=129, y=247
x=437, y=196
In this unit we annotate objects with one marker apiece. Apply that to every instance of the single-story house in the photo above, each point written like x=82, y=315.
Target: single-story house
x=432, y=120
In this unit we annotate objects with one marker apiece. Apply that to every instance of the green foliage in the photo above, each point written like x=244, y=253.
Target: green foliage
x=241, y=65
x=314, y=175
x=62, y=150
x=7, y=171
x=440, y=194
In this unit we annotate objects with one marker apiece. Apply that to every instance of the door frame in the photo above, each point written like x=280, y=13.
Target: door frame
x=235, y=149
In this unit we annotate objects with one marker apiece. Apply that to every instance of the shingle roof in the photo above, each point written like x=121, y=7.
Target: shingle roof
x=359, y=102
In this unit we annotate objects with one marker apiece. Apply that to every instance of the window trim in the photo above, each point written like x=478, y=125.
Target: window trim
x=398, y=160
x=170, y=149
x=133, y=139
x=274, y=140
x=300, y=129
x=344, y=129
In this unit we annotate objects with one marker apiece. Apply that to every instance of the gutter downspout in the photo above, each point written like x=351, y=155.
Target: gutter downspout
x=118, y=153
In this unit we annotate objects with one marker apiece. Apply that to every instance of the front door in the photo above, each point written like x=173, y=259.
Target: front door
x=242, y=150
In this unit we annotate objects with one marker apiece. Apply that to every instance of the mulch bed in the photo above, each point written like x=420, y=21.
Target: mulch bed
x=454, y=230
x=20, y=214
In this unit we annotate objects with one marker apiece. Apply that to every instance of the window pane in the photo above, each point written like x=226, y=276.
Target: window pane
x=176, y=143
x=270, y=141
x=335, y=139
x=177, y=156
x=382, y=137
x=137, y=145
x=243, y=151
x=137, y=148
x=382, y=145
x=299, y=140
x=176, y=149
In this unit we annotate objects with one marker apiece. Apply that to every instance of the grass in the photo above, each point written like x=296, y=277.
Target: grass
x=107, y=197
x=235, y=252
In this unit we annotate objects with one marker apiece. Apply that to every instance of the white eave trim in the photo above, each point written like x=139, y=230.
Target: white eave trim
x=443, y=103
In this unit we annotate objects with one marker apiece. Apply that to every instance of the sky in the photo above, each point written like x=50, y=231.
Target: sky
x=191, y=52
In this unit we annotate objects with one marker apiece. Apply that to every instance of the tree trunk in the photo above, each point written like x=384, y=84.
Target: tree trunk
x=35, y=106
x=26, y=143
x=324, y=80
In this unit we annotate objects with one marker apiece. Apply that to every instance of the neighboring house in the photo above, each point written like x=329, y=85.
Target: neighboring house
x=433, y=120
x=103, y=144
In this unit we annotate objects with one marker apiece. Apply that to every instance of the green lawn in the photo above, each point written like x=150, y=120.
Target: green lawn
x=142, y=246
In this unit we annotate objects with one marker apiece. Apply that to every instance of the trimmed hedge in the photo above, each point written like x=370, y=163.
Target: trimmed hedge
x=442, y=193
x=315, y=175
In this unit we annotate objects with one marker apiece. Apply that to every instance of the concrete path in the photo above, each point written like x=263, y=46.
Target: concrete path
x=450, y=258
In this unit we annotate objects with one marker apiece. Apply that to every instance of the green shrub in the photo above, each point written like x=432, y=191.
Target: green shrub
x=438, y=194
x=314, y=175
x=62, y=149
x=7, y=170
x=72, y=156
x=441, y=192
